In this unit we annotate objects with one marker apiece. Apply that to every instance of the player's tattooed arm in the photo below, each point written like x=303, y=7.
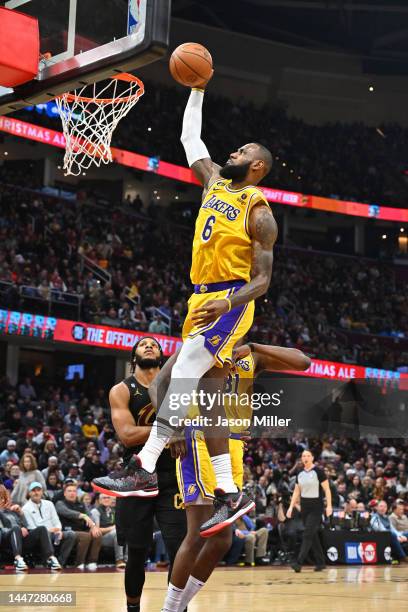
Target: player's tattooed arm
x=263, y=231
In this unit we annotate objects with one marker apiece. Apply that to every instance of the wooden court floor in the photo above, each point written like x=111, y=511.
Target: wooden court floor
x=276, y=589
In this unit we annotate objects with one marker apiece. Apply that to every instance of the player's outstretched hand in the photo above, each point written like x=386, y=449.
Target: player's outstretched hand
x=245, y=436
x=178, y=446
x=204, y=84
x=240, y=352
x=209, y=312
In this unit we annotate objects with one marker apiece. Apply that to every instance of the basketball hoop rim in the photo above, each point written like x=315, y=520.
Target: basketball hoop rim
x=124, y=76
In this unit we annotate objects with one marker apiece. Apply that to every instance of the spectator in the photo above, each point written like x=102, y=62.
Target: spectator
x=49, y=450
x=157, y=326
x=94, y=468
x=29, y=472
x=68, y=454
x=26, y=390
x=74, y=517
x=111, y=318
x=15, y=535
x=255, y=539
x=104, y=517
x=40, y=512
x=9, y=453
x=89, y=429
x=53, y=485
x=52, y=467
x=398, y=518
x=380, y=521
x=27, y=441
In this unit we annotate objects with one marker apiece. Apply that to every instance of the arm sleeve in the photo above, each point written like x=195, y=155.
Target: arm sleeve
x=63, y=510
x=192, y=121
x=321, y=475
x=96, y=517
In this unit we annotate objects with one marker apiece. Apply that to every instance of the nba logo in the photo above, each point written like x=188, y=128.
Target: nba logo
x=133, y=15
x=361, y=552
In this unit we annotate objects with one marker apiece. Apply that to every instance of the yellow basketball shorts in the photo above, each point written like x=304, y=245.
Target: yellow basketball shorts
x=195, y=474
x=221, y=335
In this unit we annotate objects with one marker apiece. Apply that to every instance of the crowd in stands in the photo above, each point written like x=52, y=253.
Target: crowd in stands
x=48, y=247
x=55, y=440
x=347, y=161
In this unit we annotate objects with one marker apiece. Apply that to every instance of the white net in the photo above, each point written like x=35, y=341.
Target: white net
x=89, y=118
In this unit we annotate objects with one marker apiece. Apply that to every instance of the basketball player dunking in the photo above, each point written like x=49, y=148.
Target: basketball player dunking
x=231, y=266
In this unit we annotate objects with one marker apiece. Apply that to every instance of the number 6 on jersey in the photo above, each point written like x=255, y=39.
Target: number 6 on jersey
x=208, y=227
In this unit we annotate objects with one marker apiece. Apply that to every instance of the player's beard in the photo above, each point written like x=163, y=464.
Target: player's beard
x=235, y=172
x=146, y=363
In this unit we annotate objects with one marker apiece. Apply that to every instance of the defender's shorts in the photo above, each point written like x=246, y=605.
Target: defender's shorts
x=195, y=474
x=134, y=516
x=222, y=335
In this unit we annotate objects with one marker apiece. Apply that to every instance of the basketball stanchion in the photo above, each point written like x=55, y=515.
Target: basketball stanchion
x=89, y=117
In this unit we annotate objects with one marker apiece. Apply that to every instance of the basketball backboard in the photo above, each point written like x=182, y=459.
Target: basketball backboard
x=87, y=41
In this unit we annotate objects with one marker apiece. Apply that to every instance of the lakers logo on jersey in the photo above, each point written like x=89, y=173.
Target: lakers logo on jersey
x=222, y=244
x=215, y=340
x=192, y=489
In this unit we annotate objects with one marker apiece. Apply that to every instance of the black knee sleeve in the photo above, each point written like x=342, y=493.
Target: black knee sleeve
x=135, y=572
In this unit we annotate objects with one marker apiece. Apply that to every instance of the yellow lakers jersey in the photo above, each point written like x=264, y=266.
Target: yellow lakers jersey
x=237, y=395
x=222, y=245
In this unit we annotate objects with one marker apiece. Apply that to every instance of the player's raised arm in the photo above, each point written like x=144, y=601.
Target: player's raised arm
x=274, y=358
x=197, y=154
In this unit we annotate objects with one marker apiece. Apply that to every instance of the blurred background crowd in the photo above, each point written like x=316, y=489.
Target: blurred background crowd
x=52, y=259
x=346, y=161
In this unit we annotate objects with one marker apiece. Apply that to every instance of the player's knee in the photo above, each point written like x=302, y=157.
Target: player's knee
x=194, y=541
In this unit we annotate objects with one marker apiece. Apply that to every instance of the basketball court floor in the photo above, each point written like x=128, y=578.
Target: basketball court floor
x=364, y=589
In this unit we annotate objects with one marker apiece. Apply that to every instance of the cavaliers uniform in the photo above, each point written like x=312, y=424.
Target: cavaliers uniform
x=134, y=515
x=195, y=473
x=221, y=264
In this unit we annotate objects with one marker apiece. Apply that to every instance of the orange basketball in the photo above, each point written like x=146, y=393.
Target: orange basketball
x=191, y=64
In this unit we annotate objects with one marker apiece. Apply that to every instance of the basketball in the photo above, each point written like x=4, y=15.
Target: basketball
x=191, y=64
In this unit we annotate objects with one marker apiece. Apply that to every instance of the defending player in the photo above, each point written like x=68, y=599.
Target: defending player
x=231, y=266
x=197, y=557
x=132, y=417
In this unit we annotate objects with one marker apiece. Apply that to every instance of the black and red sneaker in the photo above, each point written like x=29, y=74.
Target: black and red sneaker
x=131, y=481
x=227, y=508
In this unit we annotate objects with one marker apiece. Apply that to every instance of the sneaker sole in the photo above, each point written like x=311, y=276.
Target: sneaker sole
x=208, y=533
x=110, y=493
